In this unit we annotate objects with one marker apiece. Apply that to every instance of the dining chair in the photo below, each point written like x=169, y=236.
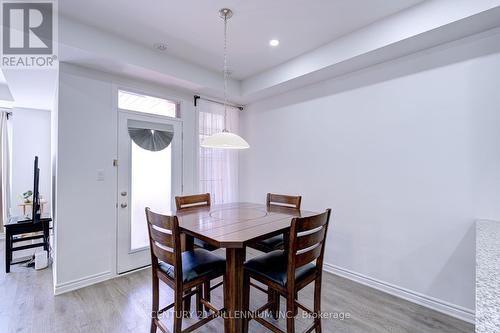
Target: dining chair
x=290, y=270
x=276, y=242
x=275, y=201
x=189, y=201
x=181, y=271
x=195, y=201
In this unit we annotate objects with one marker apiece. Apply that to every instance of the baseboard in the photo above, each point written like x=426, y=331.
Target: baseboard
x=453, y=310
x=90, y=280
x=82, y=282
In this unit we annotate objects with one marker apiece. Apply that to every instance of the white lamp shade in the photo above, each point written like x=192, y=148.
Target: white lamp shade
x=225, y=140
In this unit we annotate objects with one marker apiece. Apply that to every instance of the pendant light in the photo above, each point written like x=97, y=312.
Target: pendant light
x=225, y=139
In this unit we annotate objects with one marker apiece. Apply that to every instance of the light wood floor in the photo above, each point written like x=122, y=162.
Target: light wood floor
x=123, y=305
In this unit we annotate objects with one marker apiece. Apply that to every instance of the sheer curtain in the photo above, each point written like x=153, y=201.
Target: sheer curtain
x=218, y=168
x=4, y=169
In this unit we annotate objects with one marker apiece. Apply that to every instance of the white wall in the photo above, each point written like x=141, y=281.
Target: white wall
x=30, y=138
x=53, y=143
x=406, y=154
x=86, y=142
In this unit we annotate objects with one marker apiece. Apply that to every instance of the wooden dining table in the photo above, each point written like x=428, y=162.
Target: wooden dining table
x=233, y=226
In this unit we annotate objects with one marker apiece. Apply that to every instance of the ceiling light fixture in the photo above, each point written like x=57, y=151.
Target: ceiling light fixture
x=225, y=139
x=274, y=42
x=160, y=46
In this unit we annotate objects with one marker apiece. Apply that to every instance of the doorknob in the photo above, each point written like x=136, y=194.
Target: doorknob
x=123, y=193
x=123, y=205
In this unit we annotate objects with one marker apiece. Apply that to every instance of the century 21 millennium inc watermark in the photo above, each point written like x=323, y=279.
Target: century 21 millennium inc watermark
x=28, y=34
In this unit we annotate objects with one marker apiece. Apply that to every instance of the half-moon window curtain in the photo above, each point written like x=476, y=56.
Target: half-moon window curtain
x=218, y=168
x=150, y=136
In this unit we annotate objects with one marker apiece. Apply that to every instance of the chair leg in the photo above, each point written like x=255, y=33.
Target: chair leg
x=178, y=311
x=317, y=304
x=290, y=313
x=273, y=296
x=246, y=302
x=206, y=293
x=187, y=306
x=277, y=304
x=155, y=302
x=199, y=296
x=296, y=307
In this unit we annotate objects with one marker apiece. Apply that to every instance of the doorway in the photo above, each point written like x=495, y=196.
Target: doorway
x=149, y=175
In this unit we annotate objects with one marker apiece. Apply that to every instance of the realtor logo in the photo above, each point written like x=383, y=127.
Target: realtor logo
x=28, y=34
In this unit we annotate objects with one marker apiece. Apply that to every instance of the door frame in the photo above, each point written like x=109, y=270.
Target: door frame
x=177, y=168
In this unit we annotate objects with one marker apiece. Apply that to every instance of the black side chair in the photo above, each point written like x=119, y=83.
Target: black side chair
x=181, y=271
x=288, y=271
x=277, y=242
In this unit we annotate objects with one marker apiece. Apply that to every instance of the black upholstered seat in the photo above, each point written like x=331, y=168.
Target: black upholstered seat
x=274, y=265
x=195, y=264
x=270, y=244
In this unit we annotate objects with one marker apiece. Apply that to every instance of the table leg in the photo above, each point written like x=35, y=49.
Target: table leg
x=234, y=290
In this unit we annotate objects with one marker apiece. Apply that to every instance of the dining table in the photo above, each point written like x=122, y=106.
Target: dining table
x=233, y=226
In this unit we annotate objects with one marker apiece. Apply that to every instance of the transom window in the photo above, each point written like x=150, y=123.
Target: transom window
x=148, y=104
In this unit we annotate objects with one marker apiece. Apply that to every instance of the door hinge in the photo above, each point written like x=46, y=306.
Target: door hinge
x=115, y=163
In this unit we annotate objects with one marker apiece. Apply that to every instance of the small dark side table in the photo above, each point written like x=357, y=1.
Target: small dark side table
x=17, y=226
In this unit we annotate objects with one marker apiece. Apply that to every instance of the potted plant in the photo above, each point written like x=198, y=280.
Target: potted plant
x=27, y=196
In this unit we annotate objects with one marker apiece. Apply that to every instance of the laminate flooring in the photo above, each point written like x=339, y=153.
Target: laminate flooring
x=123, y=305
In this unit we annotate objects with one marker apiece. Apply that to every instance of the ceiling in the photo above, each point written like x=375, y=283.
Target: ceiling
x=193, y=30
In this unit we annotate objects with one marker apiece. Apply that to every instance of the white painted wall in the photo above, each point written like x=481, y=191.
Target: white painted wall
x=87, y=141
x=406, y=154
x=30, y=138
x=53, y=143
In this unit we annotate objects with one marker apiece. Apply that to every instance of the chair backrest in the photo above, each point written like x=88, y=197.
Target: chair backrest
x=164, y=240
x=283, y=200
x=307, y=241
x=190, y=201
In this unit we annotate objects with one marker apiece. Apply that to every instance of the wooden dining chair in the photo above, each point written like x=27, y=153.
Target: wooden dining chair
x=195, y=201
x=277, y=242
x=181, y=271
x=190, y=201
x=289, y=271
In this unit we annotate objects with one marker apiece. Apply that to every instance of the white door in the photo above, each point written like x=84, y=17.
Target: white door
x=149, y=175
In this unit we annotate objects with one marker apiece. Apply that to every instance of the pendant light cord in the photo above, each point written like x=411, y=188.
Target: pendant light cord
x=225, y=72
